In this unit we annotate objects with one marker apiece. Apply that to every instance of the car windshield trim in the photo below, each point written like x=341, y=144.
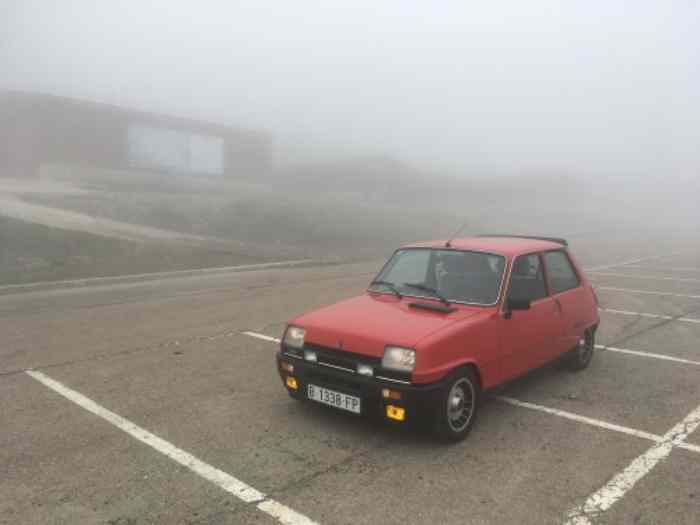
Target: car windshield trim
x=432, y=297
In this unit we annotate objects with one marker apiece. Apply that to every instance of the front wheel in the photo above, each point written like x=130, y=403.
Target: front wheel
x=580, y=356
x=457, y=406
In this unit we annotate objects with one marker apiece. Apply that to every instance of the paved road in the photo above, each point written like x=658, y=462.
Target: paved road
x=169, y=356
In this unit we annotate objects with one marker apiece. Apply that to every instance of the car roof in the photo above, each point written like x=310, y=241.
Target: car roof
x=508, y=246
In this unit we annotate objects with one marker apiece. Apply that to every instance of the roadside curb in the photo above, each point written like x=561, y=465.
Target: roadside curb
x=143, y=277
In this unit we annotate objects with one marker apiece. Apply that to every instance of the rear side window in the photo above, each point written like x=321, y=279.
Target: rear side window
x=562, y=276
x=527, y=279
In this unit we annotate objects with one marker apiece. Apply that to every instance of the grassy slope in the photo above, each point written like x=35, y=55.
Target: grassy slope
x=311, y=217
x=30, y=252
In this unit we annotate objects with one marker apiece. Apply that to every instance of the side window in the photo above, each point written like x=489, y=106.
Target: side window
x=562, y=276
x=527, y=279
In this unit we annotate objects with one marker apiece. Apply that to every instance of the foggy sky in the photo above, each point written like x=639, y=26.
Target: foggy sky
x=591, y=88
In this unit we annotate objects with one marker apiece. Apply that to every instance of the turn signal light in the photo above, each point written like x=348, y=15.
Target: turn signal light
x=390, y=394
x=287, y=367
x=395, y=413
x=292, y=383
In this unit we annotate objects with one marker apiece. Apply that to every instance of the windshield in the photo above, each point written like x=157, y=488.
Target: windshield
x=451, y=275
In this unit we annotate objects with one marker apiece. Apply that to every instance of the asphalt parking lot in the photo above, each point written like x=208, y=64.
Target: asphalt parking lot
x=159, y=402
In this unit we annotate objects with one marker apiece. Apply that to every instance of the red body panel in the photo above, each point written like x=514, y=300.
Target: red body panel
x=528, y=338
x=500, y=347
x=369, y=322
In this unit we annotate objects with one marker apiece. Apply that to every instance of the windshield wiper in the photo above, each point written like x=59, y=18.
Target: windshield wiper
x=429, y=289
x=389, y=285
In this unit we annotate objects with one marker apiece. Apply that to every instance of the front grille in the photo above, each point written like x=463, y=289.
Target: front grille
x=348, y=361
x=341, y=358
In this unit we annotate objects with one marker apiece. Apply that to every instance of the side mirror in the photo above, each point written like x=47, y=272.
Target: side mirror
x=515, y=304
x=518, y=304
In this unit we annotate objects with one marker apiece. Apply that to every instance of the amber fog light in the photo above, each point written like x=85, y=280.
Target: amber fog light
x=292, y=383
x=395, y=413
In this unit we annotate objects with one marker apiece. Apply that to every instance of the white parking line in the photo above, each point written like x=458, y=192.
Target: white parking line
x=648, y=354
x=646, y=276
x=262, y=336
x=621, y=483
x=580, y=419
x=631, y=261
x=593, y=422
x=653, y=269
x=651, y=316
x=646, y=292
x=230, y=484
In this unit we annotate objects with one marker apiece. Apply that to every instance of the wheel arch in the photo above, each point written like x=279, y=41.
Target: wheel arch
x=474, y=367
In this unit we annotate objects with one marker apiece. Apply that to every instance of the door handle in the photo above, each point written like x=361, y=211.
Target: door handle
x=559, y=307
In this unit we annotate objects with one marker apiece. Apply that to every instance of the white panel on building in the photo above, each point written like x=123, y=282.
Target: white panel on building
x=157, y=148
x=206, y=154
x=175, y=150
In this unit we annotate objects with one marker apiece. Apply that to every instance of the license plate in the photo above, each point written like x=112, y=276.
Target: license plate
x=333, y=398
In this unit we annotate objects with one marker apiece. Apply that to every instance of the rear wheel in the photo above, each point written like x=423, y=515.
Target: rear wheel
x=457, y=406
x=580, y=356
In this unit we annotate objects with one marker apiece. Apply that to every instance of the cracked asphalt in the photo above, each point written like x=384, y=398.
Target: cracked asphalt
x=169, y=356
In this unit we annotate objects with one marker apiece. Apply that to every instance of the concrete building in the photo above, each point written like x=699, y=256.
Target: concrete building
x=39, y=128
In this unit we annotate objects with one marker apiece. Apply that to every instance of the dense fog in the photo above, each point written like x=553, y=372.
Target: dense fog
x=380, y=122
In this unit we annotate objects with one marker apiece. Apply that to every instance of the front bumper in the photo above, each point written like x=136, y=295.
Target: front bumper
x=417, y=401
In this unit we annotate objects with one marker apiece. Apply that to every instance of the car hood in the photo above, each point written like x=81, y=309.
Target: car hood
x=366, y=324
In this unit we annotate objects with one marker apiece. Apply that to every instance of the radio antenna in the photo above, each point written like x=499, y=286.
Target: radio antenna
x=448, y=244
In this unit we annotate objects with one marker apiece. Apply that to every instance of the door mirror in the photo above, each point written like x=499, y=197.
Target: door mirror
x=518, y=304
x=515, y=304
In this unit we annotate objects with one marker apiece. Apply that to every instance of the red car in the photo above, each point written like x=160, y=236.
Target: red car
x=442, y=322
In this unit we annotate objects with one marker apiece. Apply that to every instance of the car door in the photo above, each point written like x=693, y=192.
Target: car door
x=528, y=336
x=567, y=292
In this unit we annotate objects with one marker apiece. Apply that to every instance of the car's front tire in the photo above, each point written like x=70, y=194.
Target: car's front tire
x=457, y=405
x=581, y=355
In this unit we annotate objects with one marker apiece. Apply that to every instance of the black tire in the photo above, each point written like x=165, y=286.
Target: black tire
x=457, y=405
x=581, y=355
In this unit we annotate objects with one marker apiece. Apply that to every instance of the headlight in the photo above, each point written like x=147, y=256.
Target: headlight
x=400, y=359
x=294, y=337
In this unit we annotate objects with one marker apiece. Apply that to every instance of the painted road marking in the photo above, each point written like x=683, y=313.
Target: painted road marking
x=262, y=336
x=647, y=292
x=631, y=261
x=621, y=483
x=230, y=484
x=651, y=316
x=581, y=419
x=647, y=354
x=593, y=422
x=653, y=269
x=646, y=276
